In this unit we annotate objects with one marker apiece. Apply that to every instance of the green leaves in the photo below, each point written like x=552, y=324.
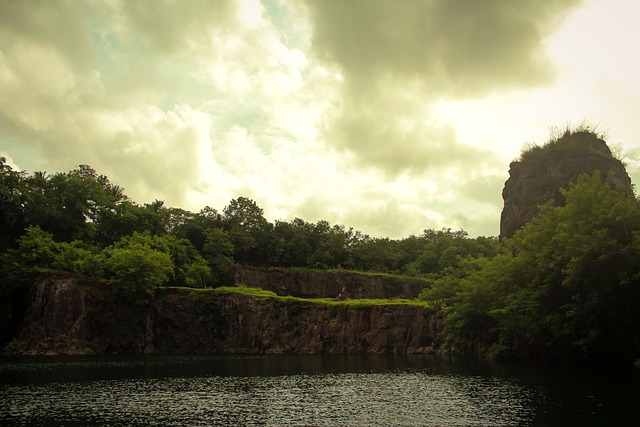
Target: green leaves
x=12, y=199
x=182, y=264
x=567, y=283
x=137, y=270
x=136, y=264
x=36, y=251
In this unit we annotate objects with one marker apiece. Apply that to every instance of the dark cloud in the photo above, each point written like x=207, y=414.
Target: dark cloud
x=464, y=46
x=329, y=109
x=65, y=25
x=398, y=58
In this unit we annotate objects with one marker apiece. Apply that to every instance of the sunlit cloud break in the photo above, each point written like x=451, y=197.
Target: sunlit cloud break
x=391, y=117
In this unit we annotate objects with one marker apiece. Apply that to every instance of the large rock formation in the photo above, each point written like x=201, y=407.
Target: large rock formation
x=542, y=171
x=68, y=317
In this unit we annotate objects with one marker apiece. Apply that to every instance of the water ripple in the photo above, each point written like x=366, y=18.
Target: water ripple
x=347, y=399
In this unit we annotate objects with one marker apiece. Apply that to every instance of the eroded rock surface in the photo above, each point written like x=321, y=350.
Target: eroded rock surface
x=66, y=317
x=325, y=284
x=540, y=175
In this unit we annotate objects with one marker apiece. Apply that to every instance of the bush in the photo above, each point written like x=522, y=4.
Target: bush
x=137, y=270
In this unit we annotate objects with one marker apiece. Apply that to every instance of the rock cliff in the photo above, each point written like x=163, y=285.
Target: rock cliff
x=325, y=284
x=542, y=171
x=68, y=317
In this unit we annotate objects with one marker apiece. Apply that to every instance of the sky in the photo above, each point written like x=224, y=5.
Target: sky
x=387, y=116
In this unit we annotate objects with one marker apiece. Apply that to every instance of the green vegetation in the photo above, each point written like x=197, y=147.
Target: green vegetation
x=566, y=285
x=581, y=137
x=347, y=303
x=81, y=223
x=255, y=292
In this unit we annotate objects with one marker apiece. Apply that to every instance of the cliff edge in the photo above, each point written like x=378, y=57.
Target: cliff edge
x=329, y=284
x=65, y=316
x=542, y=171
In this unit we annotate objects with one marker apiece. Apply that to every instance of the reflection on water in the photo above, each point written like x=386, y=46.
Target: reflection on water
x=299, y=390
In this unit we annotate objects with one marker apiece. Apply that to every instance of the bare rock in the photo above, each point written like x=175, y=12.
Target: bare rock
x=543, y=171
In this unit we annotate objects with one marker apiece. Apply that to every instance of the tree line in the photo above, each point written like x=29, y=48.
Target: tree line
x=80, y=222
x=567, y=284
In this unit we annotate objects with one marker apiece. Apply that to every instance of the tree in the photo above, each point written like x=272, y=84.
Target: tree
x=218, y=251
x=188, y=266
x=69, y=205
x=80, y=259
x=12, y=199
x=194, y=226
x=125, y=219
x=245, y=213
x=137, y=270
x=446, y=249
x=567, y=284
x=587, y=269
x=293, y=241
x=249, y=231
x=36, y=250
x=331, y=250
x=381, y=254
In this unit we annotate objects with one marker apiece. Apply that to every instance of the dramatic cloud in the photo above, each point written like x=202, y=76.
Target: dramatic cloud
x=459, y=46
x=125, y=87
x=396, y=61
x=387, y=116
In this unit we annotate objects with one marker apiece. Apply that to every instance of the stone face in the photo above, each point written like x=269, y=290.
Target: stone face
x=66, y=317
x=539, y=176
x=324, y=284
x=54, y=320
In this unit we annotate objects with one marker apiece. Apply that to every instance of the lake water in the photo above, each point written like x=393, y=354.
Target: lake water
x=311, y=390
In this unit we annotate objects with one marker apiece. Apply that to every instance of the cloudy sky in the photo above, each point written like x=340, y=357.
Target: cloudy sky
x=388, y=116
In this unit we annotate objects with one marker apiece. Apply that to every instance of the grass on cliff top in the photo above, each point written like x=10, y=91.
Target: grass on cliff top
x=347, y=303
x=569, y=137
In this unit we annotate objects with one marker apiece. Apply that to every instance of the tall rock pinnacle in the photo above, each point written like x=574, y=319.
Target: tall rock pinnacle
x=540, y=172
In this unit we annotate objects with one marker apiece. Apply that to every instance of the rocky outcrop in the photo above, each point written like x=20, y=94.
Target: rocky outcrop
x=543, y=171
x=325, y=284
x=68, y=317
x=64, y=316
x=54, y=321
x=236, y=323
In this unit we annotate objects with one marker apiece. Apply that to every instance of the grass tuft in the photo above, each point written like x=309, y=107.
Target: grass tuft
x=580, y=136
x=329, y=302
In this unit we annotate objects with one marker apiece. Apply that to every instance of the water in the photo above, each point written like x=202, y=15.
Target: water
x=310, y=390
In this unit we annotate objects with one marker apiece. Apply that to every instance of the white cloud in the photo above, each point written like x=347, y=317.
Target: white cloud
x=389, y=128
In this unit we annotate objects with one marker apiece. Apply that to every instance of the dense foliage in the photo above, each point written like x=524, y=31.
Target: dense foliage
x=81, y=223
x=567, y=284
